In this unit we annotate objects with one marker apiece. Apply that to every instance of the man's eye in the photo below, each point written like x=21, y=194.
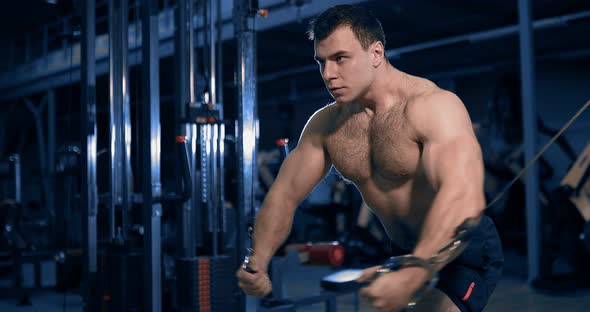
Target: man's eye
x=339, y=59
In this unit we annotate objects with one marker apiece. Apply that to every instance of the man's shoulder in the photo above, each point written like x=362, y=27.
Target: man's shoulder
x=437, y=112
x=432, y=101
x=325, y=114
x=322, y=118
x=328, y=110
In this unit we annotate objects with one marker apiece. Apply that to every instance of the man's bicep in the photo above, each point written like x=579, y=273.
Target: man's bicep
x=444, y=127
x=457, y=160
x=300, y=172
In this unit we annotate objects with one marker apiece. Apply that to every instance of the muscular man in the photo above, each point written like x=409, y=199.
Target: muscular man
x=409, y=148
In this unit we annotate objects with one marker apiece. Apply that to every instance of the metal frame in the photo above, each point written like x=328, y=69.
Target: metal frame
x=119, y=118
x=15, y=159
x=247, y=122
x=529, y=121
x=185, y=97
x=29, y=78
x=46, y=148
x=89, y=196
x=51, y=154
x=473, y=37
x=151, y=151
x=219, y=63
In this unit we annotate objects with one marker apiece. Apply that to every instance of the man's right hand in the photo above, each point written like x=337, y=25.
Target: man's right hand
x=256, y=282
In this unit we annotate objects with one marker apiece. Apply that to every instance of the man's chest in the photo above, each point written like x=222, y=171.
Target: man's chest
x=382, y=148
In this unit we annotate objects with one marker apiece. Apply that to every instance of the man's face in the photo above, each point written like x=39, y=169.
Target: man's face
x=344, y=64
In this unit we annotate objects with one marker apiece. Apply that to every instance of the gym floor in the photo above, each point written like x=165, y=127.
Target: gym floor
x=512, y=294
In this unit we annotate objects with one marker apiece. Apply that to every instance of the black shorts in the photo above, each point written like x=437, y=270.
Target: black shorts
x=470, y=279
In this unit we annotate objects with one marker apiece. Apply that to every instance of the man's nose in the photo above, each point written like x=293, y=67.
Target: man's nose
x=329, y=71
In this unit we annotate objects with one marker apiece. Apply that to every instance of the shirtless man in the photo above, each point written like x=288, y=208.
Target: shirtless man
x=409, y=148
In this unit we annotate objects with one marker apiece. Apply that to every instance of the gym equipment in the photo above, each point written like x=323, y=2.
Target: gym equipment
x=278, y=300
x=120, y=279
x=344, y=280
x=576, y=187
x=331, y=254
x=206, y=282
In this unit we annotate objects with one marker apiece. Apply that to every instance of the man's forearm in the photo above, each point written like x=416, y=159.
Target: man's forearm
x=450, y=209
x=272, y=226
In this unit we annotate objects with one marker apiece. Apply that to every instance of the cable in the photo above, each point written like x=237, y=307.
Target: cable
x=539, y=154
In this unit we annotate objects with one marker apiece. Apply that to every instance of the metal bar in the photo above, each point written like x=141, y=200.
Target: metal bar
x=195, y=200
x=151, y=151
x=65, y=31
x=15, y=158
x=115, y=103
x=37, y=113
x=283, y=14
x=529, y=115
x=221, y=192
x=468, y=37
x=88, y=196
x=219, y=62
x=120, y=120
x=126, y=178
x=51, y=138
x=247, y=122
x=183, y=50
x=207, y=177
x=186, y=239
x=214, y=189
x=203, y=163
x=184, y=97
x=212, y=44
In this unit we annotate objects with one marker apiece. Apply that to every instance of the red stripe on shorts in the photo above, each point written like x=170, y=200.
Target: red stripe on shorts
x=468, y=293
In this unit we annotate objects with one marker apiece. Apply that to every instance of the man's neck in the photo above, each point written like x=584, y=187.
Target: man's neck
x=387, y=90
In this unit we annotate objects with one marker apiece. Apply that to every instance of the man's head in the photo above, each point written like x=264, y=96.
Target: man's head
x=365, y=26
x=349, y=47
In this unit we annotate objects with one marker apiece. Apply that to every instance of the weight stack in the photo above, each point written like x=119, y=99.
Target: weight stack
x=121, y=280
x=206, y=284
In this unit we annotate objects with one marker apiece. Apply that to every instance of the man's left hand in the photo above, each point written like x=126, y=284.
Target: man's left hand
x=392, y=291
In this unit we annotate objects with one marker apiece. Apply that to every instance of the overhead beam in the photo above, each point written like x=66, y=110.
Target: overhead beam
x=49, y=72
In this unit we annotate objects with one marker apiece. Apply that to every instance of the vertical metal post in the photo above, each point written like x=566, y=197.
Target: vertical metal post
x=88, y=196
x=205, y=156
x=151, y=144
x=127, y=191
x=51, y=137
x=529, y=114
x=195, y=200
x=184, y=62
x=247, y=120
x=212, y=39
x=37, y=113
x=219, y=62
x=221, y=141
x=214, y=186
x=15, y=158
x=65, y=30
x=120, y=120
x=221, y=169
x=185, y=97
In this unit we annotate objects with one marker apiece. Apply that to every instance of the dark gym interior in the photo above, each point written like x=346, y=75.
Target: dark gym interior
x=138, y=139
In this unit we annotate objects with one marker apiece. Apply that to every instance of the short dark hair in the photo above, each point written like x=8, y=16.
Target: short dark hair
x=365, y=26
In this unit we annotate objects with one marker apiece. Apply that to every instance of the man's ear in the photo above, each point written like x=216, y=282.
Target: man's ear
x=378, y=51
